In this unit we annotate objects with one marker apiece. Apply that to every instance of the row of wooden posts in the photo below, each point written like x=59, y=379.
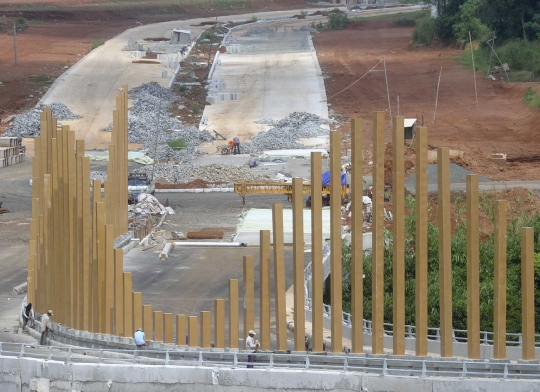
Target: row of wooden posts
x=74, y=268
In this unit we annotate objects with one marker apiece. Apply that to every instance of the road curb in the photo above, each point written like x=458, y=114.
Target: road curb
x=196, y=190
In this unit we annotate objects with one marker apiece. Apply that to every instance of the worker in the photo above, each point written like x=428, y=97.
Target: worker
x=253, y=163
x=231, y=145
x=46, y=326
x=28, y=316
x=236, y=145
x=140, y=338
x=251, y=344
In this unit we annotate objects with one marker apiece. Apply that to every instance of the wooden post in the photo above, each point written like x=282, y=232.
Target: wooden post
x=128, y=304
x=264, y=285
x=181, y=329
x=87, y=295
x=72, y=178
x=119, y=292
x=527, y=293
x=54, y=272
x=79, y=272
x=445, y=251
x=249, y=292
x=96, y=198
x=193, y=338
x=158, y=326
x=219, y=323
x=168, y=326
x=109, y=278
x=316, y=254
x=357, y=245
x=499, y=282
x=206, y=330
x=148, y=322
x=233, y=313
x=335, y=241
x=473, y=269
x=137, y=310
x=378, y=234
x=398, y=241
x=279, y=277
x=100, y=225
x=421, y=241
x=298, y=265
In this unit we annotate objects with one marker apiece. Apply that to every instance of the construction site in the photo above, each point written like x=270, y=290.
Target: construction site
x=201, y=177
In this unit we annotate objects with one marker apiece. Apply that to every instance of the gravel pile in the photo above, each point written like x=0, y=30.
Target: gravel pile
x=256, y=30
x=308, y=28
x=28, y=123
x=211, y=173
x=284, y=134
x=266, y=121
x=151, y=106
x=98, y=175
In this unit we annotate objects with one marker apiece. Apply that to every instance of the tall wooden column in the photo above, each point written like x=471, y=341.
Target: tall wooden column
x=148, y=321
x=335, y=241
x=101, y=264
x=193, y=333
x=206, y=330
x=298, y=265
x=377, y=257
x=119, y=292
x=279, y=276
x=219, y=323
x=128, y=304
x=527, y=293
x=473, y=269
x=499, y=283
x=87, y=234
x=445, y=255
x=168, y=327
x=316, y=254
x=357, y=236
x=398, y=231
x=109, y=278
x=137, y=310
x=264, y=285
x=181, y=321
x=158, y=326
x=421, y=241
x=249, y=293
x=233, y=313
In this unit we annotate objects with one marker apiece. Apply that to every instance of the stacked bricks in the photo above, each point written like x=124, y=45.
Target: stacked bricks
x=10, y=152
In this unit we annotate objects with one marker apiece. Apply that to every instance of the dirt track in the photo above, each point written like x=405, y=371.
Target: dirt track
x=501, y=123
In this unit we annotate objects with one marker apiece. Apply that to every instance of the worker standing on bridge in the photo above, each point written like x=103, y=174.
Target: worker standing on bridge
x=251, y=344
x=46, y=326
x=236, y=146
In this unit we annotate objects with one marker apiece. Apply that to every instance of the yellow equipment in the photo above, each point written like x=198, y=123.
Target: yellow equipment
x=278, y=188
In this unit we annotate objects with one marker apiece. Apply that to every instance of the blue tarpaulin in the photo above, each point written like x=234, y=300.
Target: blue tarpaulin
x=326, y=178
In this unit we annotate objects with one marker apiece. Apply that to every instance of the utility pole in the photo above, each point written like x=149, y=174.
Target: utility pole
x=15, y=43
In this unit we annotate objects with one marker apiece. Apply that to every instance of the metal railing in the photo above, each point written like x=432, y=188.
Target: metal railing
x=434, y=333
x=407, y=366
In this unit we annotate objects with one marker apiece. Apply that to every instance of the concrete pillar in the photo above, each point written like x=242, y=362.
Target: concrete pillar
x=206, y=329
x=193, y=338
x=181, y=321
x=357, y=247
x=128, y=304
x=298, y=264
x=264, y=286
x=137, y=310
x=109, y=278
x=398, y=231
x=527, y=293
x=219, y=323
x=279, y=277
x=168, y=327
x=233, y=313
x=445, y=248
x=148, y=322
x=499, y=283
x=378, y=234
x=158, y=326
x=335, y=241
x=119, y=292
x=473, y=269
x=249, y=293
x=316, y=254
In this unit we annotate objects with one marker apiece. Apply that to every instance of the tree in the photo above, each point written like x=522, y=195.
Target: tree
x=470, y=22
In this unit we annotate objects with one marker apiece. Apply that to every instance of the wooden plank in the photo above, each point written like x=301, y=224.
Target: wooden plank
x=193, y=334
x=119, y=292
x=128, y=304
x=219, y=323
x=101, y=264
x=181, y=333
x=87, y=234
x=335, y=241
x=279, y=277
x=80, y=238
x=527, y=293
x=316, y=255
x=168, y=328
x=96, y=198
x=206, y=329
x=72, y=206
x=148, y=321
x=264, y=289
x=137, y=310
x=298, y=265
x=109, y=278
x=473, y=268
x=158, y=326
x=499, y=283
x=233, y=313
x=249, y=293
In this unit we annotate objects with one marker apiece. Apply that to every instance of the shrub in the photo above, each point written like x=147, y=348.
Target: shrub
x=97, y=43
x=195, y=108
x=531, y=98
x=177, y=144
x=424, y=32
x=337, y=20
x=405, y=21
x=521, y=55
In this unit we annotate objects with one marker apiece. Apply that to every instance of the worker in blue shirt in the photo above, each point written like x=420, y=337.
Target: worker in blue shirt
x=140, y=338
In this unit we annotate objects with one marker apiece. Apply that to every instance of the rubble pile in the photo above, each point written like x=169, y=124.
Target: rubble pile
x=98, y=175
x=149, y=205
x=285, y=132
x=210, y=173
x=308, y=28
x=256, y=30
x=28, y=123
x=149, y=116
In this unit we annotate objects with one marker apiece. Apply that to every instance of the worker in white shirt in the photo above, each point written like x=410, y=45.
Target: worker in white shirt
x=46, y=326
x=140, y=339
x=251, y=344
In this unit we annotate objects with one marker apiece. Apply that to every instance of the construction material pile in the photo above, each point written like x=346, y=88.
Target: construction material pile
x=286, y=132
x=28, y=123
x=149, y=118
x=98, y=175
x=149, y=205
x=256, y=30
x=308, y=28
x=210, y=173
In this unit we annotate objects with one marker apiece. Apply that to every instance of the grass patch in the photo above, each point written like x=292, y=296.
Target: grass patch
x=40, y=78
x=424, y=32
x=177, y=144
x=531, y=98
x=409, y=15
x=195, y=108
x=405, y=21
x=97, y=43
x=181, y=88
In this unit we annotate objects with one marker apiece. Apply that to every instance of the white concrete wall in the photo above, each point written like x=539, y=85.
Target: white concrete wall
x=27, y=374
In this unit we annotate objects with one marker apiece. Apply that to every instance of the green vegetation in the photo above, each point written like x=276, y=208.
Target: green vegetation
x=42, y=79
x=408, y=15
x=177, y=144
x=531, y=98
x=424, y=32
x=20, y=24
x=195, y=108
x=405, y=21
x=459, y=270
x=337, y=20
x=97, y=43
x=181, y=88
